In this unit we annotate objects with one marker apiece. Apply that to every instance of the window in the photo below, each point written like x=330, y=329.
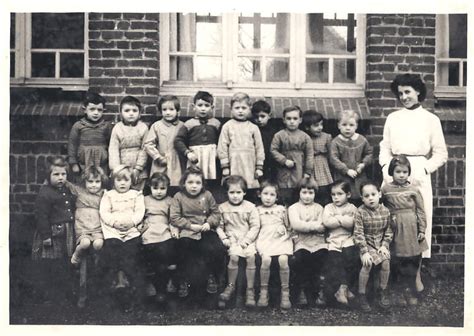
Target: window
x=293, y=54
x=49, y=50
x=451, y=56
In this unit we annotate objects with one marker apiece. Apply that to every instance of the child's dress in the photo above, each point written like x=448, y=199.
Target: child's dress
x=321, y=146
x=305, y=237
x=269, y=241
x=408, y=216
x=346, y=154
x=372, y=230
x=240, y=148
x=296, y=146
x=159, y=144
x=240, y=223
x=88, y=143
x=339, y=237
x=156, y=226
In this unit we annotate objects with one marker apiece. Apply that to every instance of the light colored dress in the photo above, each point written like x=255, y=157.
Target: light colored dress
x=159, y=144
x=240, y=148
x=408, y=218
x=269, y=241
x=156, y=226
x=303, y=219
x=321, y=146
x=340, y=237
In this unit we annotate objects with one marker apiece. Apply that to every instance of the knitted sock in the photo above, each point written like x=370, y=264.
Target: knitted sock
x=264, y=277
x=284, y=277
x=363, y=279
x=232, y=274
x=384, y=274
x=250, y=273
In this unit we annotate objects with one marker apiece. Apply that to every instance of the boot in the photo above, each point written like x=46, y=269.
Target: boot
x=227, y=293
x=285, y=298
x=250, y=298
x=384, y=300
x=341, y=295
x=364, y=304
x=302, y=300
x=263, y=297
x=321, y=299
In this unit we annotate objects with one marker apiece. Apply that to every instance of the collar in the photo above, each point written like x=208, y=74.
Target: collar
x=407, y=183
x=414, y=107
x=93, y=122
x=202, y=121
x=167, y=123
x=354, y=137
x=130, y=124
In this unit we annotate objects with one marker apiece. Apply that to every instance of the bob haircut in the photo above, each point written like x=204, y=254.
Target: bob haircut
x=368, y=183
x=412, y=80
x=94, y=171
x=169, y=98
x=203, y=95
x=130, y=100
x=159, y=178
x=311, y=117
x=122, y=171
x=399, y=160
x=269, y=183
x=192, y=170
x=235, y=179
x=292, y=108
x=348, y=114
x=55, y=161
x=344, y=185
x=240, y=97
x=307, y=183
x=261, y=106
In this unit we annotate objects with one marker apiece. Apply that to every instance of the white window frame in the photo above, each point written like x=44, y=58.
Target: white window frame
x=447, y=92
x=23, y=52
x=296, y=86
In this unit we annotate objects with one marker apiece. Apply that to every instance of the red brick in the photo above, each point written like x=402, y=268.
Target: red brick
x=123, y=45
x=423, y=50
x=430, y=22
x=460, y=177
x=423, y=31
x=403, y=67
x=392, y=40
x=128, y=54
x=21, y=172
x=133, y=16
x=94, y=35
x=393, y=20
x=381, y=49
x=101, y=25
x=111, y=53
x=112, y=90
x=122, y=63
x=374, y=76
x=112, y=35
x=13, y=169
x=152, y=35
x=374, y=40
x=430, y=41
x=143, y=45
x=95, y=16
x=455, y=258
x=152, y=73
x=102, y=44
x=134, y=90
x=147, y=25
x=423, y=68
x=403, y=49
x=403, y=31
x=134, y=35
x=123, y=25
x=133, y=72
x=414, y=22
x=112, y=72
x=373, y=20
x=152, y=16
x=383, y=30
x=144, y=63
x=95, y=54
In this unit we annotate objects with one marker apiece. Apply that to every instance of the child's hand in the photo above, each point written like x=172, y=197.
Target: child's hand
x=226, y=242
x=306, y=176
x=258, y=173
x=135, y=174
x=226, y=171
x=339, y=219
x=319, y=228
x=366, y=259
x=192, y=157
x=205, y=227
x=289, y=164
x=421, y=236
x=352, y=173
x=243, y=244
x=162, y=161
x=75, y=168
x=384, y=251
x=281, y=230
x=47, y=242
x=360, y=168
x=195, y=228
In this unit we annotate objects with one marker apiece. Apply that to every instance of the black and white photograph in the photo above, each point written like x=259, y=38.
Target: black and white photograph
x=226, y=166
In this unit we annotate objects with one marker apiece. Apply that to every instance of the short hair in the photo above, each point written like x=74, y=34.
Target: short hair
x=344, y=185
x=261, y=106
x=399, y=160
x=55, y=161
x=409, y=79
x=93, y=98
x=269, y=183
x=367, y=183
x=311, y=117
x=169, y=98
x=121, y=171
x=307, y=183
x=348, y=114
x=240, y=97
x=235, y=179
x=292, y=108
x=203, y=95
x=192, y=170
x=94, y=171
x=131, y=100
x=159, y=178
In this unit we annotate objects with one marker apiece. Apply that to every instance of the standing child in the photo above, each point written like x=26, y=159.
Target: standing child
x=409, y=222
x=158, y=236
x=197, y=140
x=343, y=256
x=159, y=142
x=121, y=212
x=194, y=211
x=313, y=123
x=125, y=146
x=89, y=137
x=310, y=251
x=373, y=234
x=292, y=150
x=240, y=147
x=273, y=240
x=53, y=241
x=238, y=230
x=350, y=153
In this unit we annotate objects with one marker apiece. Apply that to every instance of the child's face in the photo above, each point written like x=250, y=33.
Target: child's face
x=347, y=127
x=123, y=183
x=316, y=129
x=169, y=112
x=130, y=113
x=235, y=194
x=268, y=196
x=262, y=118
x=371, y=196
x=58, y=177
x=93, y=184
x=292, y=120
x=94, y=111
x=193, y=184
x=339, y=196
x=240, y=110
x=400, y=174
x=159, y=191
x=408, y=96
x=202, y=108
x=307, y=196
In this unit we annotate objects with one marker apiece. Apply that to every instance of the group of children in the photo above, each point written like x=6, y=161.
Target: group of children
x=304, y=219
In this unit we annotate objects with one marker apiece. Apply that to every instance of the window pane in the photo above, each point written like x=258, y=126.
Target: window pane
x=265, y=32
x=330, y=36
x=181, y=68
x=57, y=31
x=464, y=79
x=344, y=71
x=42, y=64
x=12, y=31
x=12, y=64
x=195, y=32
x=458, y=35
x=317, y=70
x=209, y=68
x=249, y=69
x=278, y=70
x=71, y=65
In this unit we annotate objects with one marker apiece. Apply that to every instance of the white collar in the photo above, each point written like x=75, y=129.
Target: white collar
x=354, y=137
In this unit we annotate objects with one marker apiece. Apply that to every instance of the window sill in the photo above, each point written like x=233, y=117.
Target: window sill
x=66, y=84
x=450, y=93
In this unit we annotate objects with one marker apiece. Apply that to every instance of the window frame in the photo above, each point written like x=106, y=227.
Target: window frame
x=23, y=51
x=296, y=87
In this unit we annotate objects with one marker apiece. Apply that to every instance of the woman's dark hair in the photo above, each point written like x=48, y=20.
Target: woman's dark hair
x=399, y=160
x=412, y=80
x=311, y=117
x=235, y=179
x=261, y=106
x=159, y=178
x=344, y=185
x=192, y=170
x=307, y=183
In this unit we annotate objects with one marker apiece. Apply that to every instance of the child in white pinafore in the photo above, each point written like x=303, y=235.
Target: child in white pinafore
x=238, y=230
x=273, y=240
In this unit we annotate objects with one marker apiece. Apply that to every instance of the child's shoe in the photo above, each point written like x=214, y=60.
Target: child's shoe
x=384, y=300
x=302, y=301
x=412, y=300
x=250, y=298
x=321, y=299
x=341, y=295
x=350, y=295
x=75, y=259
x=211, y=284
x=364, y=304
x=150, y=290
x=183, y=290
x=170, y=287
x=227, y=293
x=285, y=299
x=263, y=297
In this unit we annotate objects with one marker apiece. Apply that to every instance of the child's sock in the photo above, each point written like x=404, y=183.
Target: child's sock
x=363, y=279
x=250, y=273
x=284, y=277
x=285, y=292
x=384, y=274
x=232, y=272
